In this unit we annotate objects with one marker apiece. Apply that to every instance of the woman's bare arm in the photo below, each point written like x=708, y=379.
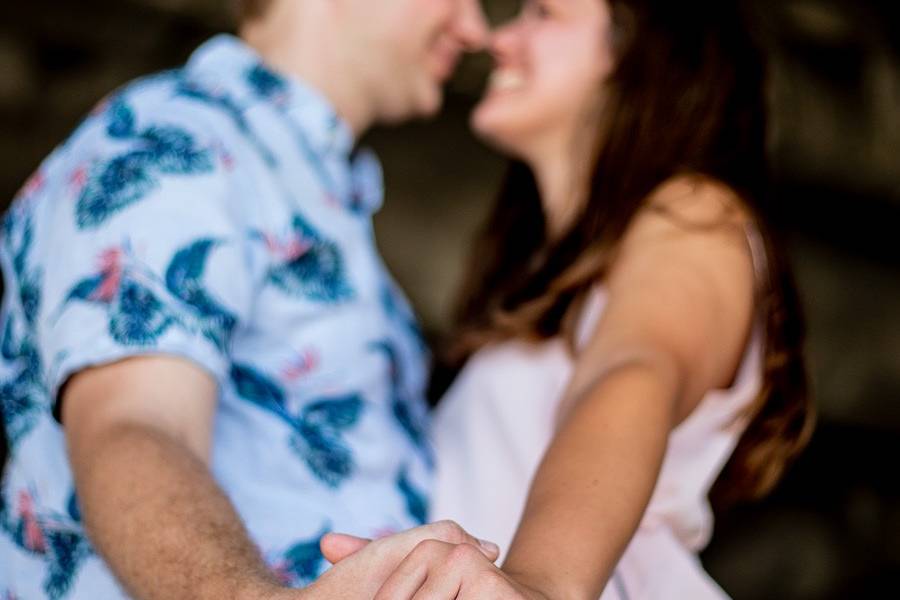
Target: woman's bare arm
x=677, y=321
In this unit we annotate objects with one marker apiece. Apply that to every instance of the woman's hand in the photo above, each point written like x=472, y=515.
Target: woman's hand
x=366, y=565
x=439, y=570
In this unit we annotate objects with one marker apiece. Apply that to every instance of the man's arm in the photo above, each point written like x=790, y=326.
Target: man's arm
x=138, y=435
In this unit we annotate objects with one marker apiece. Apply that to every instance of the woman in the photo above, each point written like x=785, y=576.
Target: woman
x=629, y=325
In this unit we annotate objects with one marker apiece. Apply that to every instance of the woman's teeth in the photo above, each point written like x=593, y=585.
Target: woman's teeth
x=507, y=80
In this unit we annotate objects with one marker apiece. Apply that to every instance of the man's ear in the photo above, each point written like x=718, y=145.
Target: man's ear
x=338, y=546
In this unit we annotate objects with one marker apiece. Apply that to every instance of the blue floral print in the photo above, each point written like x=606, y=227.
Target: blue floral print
x=184, y=281
x=58, y=539
x=136, y=316
x=403, y=409
x=312, y=267
x=317, y=429
x=208, y=214
x=128, y=178
x=302, y=562
x=416, y=504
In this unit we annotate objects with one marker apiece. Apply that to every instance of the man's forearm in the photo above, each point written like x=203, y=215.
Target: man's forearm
x=158, y=518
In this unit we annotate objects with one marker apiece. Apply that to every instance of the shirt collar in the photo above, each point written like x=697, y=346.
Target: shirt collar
x=226, y=66
x=229, y=66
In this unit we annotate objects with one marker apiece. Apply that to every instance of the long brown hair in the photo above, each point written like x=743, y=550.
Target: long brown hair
x=686, y=97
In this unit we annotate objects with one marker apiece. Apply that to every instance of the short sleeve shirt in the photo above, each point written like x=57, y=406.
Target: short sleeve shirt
x=217, y=213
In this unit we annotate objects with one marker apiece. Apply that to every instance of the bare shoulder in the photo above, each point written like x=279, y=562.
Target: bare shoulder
x=684, y=275
x=692, y=214
x=699, y=202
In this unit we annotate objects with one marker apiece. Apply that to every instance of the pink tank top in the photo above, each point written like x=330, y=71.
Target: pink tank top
x=495, y=423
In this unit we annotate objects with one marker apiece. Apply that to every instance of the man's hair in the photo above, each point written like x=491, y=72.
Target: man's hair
x=246, y=10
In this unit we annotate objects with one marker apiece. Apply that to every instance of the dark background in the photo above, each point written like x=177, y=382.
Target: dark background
x=832, y=530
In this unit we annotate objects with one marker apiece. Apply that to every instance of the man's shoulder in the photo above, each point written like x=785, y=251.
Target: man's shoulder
x=163, y=100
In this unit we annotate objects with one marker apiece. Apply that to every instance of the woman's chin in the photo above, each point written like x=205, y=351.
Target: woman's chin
x=495, y=128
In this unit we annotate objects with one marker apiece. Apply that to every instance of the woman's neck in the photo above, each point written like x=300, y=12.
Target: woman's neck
x=557, y=177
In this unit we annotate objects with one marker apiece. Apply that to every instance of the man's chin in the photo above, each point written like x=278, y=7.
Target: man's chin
x=433, y=107
x=426, y=105
x=429, y=101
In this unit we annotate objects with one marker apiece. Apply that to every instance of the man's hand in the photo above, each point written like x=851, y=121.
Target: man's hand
x=364, y=565
x=434, y=562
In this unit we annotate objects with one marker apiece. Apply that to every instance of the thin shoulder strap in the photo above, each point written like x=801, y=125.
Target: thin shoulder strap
x=758, y=255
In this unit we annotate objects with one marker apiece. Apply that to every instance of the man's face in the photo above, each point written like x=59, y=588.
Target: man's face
x=407, y=49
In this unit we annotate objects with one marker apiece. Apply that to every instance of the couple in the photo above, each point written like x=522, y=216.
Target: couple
x=211, y=384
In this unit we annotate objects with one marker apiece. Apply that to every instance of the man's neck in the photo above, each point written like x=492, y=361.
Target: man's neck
x=305, y=47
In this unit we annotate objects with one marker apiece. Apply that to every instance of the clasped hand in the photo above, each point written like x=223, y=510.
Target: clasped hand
x=439, y=561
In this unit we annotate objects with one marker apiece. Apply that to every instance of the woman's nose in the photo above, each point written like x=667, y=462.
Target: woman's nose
x=503, y=41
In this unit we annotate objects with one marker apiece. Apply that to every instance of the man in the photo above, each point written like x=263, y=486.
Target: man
x=205, y=366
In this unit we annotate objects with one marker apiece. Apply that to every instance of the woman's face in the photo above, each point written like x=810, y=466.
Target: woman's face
x=547, y=86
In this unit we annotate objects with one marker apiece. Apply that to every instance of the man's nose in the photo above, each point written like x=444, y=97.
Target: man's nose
x=471, y=25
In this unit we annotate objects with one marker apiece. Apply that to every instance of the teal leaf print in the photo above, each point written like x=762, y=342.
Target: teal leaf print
x=20, y=409
x=320, y=441
x=172, y=152
x=86, y=290
x=302, y=563
x=126, y=179
x=318, y=429
x=112, y=187
x=191, y=90
x=397, y=310
x=61, y=543
x=18, y=237
x=121, y=123
x=311, y=267
x=252, y=385
x=416, y=504
x=401, y=404
x=139, y=318
x=266, y=83
x=333, y=413
x=184, y=280
x=30, y=295
x=22, y=391
x=65, y=553
x=73, y=508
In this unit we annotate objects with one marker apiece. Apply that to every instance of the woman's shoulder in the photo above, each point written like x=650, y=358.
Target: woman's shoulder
x=698, y=201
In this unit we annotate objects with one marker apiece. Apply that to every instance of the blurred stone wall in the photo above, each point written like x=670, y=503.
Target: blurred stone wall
x=833, y=529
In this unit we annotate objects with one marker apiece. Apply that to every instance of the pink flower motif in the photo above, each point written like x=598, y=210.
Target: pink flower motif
x=78, y=178
x=225, y=157
x=228, y=161
x=304, y=364
x=287, y=251
x=33, y=185
x=101, y=107
x=282, y=573
x=280, y=100
x=111, y=268
x=111, y=258
x=34, y=537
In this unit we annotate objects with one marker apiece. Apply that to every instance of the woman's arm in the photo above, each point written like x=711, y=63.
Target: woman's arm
x=677, y=321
